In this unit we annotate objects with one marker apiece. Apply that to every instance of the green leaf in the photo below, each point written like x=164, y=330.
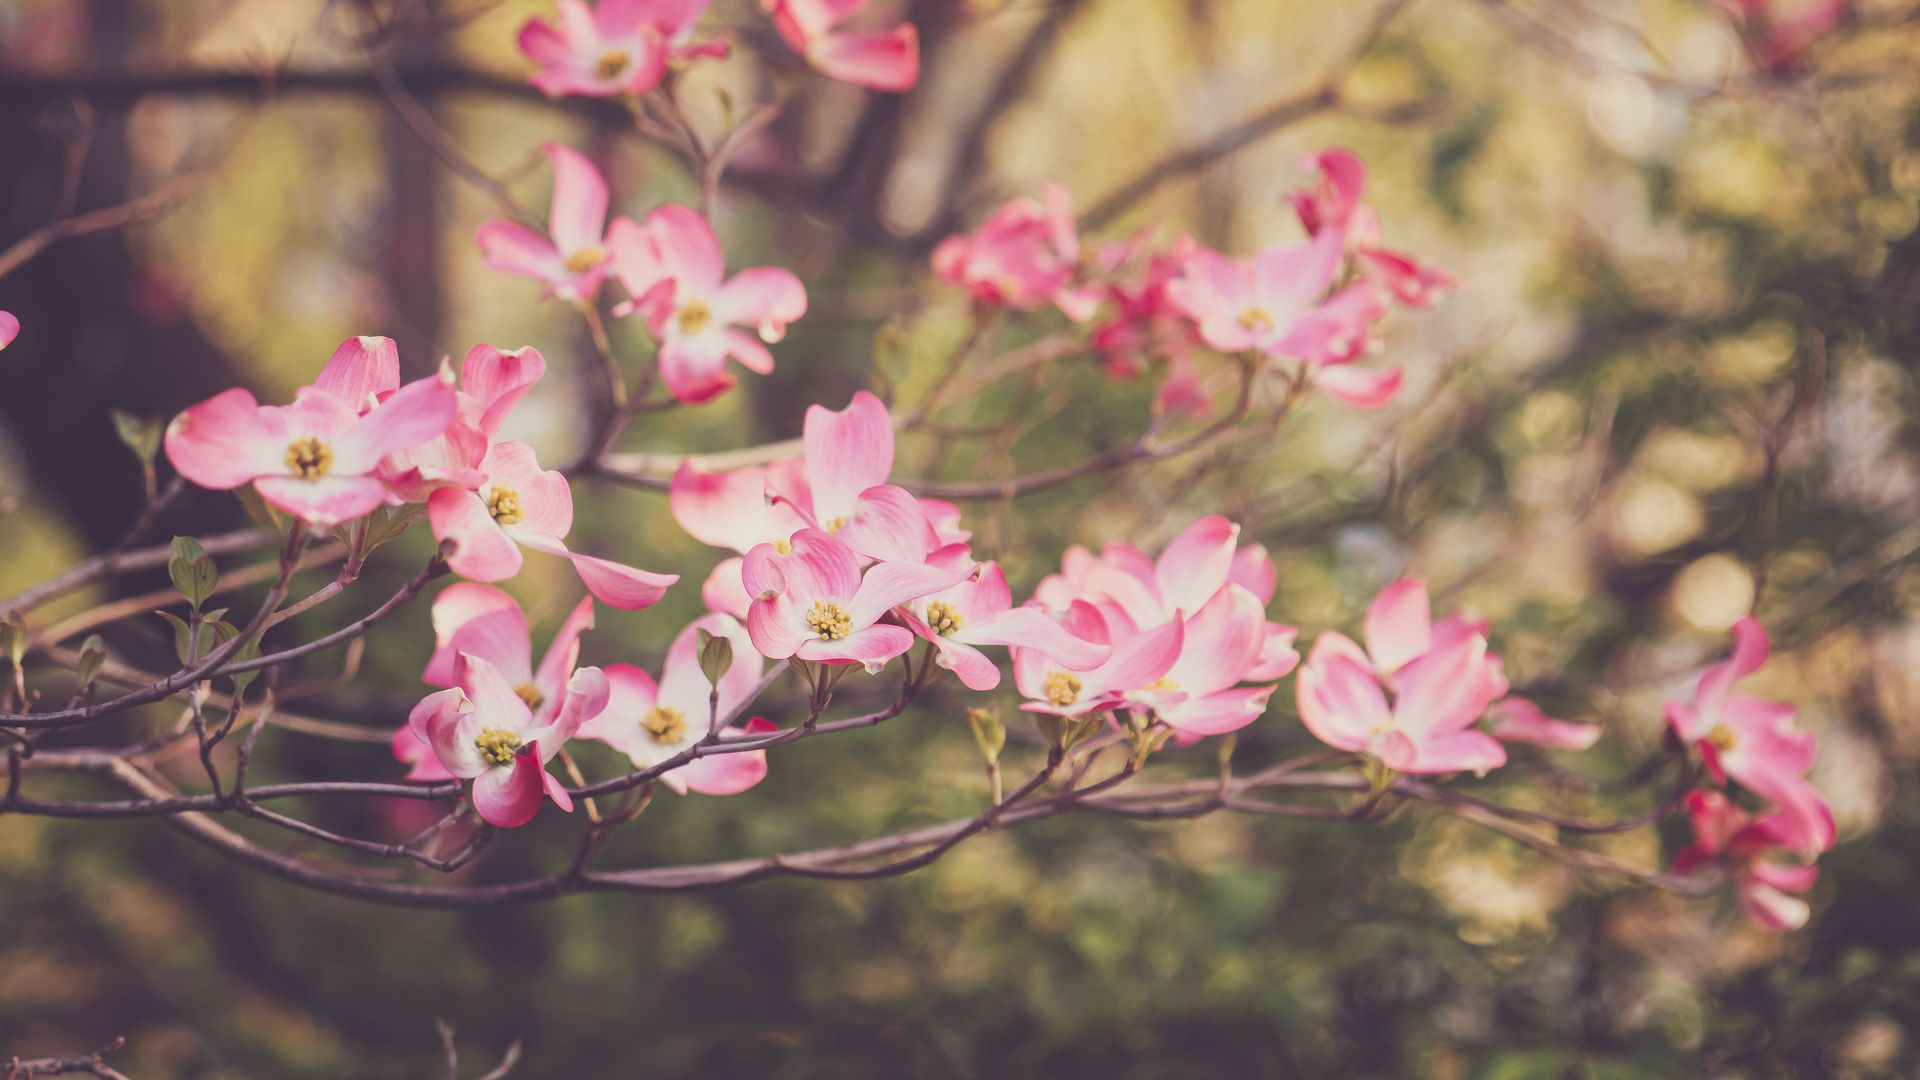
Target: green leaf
x=259, y=509
x=716, y=656
x=249, y=651
x=141, y=434
x=93, y=655
x=386, y=527
x=13, y=639
x=182, y=633
x=192, y=570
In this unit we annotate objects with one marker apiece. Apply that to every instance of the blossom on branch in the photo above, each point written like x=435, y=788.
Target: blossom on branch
x=1022, y=257
x=813, y=602
x=614, y=48
x=571, y=257
x=672, y=266
x=1729, y=838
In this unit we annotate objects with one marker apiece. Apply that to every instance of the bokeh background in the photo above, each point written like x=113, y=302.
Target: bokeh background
x=1684, y=349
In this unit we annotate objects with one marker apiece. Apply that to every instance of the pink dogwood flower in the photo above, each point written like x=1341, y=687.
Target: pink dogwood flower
x=1022, y=257
x=652, y=722
x=1727, y=837
x=1779, y=41
x=571, y=257
x=1333, y=201
x=614, y=48
x=673, y=267
x=483, y=621
x=979, y=611
x=876, y=59
x=482, y=730
x=813, y=602
x=9, y=328
x=1428, y=728
x=839, y=486
x=316, y=459
x=1517, y=720
x=517, y=503
x=1253, y=303
x=1754, y=742
x=1200, y=694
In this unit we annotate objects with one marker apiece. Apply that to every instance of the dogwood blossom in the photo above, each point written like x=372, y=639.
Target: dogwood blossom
x=571, y=257
x=613, y=48
x=1728, y=837
x=1022, y=257
x=673, y=267
x=814, y=602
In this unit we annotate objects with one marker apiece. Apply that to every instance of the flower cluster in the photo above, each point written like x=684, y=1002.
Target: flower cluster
x=625, y=48
x=1315, y=303
x=357, y=440
x=1754, y=743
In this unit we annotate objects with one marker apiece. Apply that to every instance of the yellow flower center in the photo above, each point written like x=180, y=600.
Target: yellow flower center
x=1062, y=689
x=531, y=695
x=944, y=620
x=834, y=525
x=784, y=547
x=497, y=745
x=1257, y=320
x=694, y=317
x=829, y=620
x=504, y=505
x=611, y=64
x=1722, y=738
x=1162, y=683
x=585, y=259
x=309, y=457
x=665, y=725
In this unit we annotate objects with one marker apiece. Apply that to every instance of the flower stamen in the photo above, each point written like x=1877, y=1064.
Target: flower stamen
x=664, y=725
x=944, y=620
x=497, y=745
x=504, y=505
x=829, y=620
x=586, y=259
x=694, y=317
x=309, y=457
x=1062, y=689
x=611, y=64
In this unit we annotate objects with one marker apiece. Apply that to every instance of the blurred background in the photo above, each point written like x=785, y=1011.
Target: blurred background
x=1677, y=381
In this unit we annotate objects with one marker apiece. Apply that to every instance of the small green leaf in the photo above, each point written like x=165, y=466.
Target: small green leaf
x=1052, y=728
x=13, y=639
x=989, y=733
x=716, y=656
x=192, y=570
x=249, y=651
x=141, y=434
x=182, y=633
x=93, y=656
x=259, y=509
x=387, y=526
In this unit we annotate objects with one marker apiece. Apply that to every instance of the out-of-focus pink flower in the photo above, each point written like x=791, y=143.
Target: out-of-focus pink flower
x=980, y=611
x=723, y=592
x=673, y=267
x=1779, y=41
x=1727, y=837
x=1254, y=303
x=412, y=751
x=614, y=48
x=1428, y=728
x=1755, y=742
x=877, y=59
x=1146, y=324
x=517, y=503
x=362, y=372
x=316, y=459
x=813, y=602
x=1022, y=257
x=1333, y=201
x=651, y=722
x=482, y=730
x=1519, y=720
x=736, y=509
x=9, y=328
x=571, y=257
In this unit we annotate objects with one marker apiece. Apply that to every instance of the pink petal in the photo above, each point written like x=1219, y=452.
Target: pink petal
x=513, y=248
x=1399, y=625
x=888, y=524
x=221, y=442
x=496, y=703
x=1749, y=654
x=777, y=626
x=847, y=452
x=695, y=368
x=325, y=502
x=577, y=219
x=482, y=552
x=1520, y=720
x=889, y=584
x=1252, y=570
x=484, y=621
x=1340, y=701
x=1196, y=564
x=1033, y=629
x=411, y=750
x=618, y=585
x=363, y=370
x=723, y=591
x=1137, y=661
x=1772, y=908
x=417, y=412
x=1357, y=387
x=509, y=796
x=541, y=42
x=1222, y=642
x=631, y=694
x=497, y=380
x=557, y=664
x=441, y=721
x=1444, y=690
x=1464, y=751
x=871, y=647
x=887, y=60
x=1278, y=657
x=1287, y=279
x=819, y=567
x=766, y=298
x=722, y=774
x=967, y=663
x=585, y=698
x=729, y=509
x=546, y=502
x=1220, y=712
x=9, y=328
